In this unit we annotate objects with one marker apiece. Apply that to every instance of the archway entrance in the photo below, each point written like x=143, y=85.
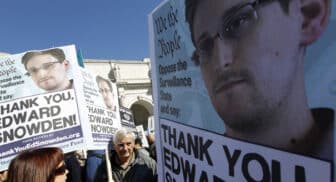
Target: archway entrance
x=141, y=115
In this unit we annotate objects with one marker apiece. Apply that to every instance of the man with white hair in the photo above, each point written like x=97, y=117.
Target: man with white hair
x=127, y=164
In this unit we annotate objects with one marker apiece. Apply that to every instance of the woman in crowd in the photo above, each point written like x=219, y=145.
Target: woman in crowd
x=38, y=165
x=3, y=176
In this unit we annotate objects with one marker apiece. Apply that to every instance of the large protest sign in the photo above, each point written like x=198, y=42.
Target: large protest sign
x=39, y=106
x=102, y=109
x=270, y=113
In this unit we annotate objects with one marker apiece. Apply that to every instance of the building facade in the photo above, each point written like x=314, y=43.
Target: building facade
x=133, y=79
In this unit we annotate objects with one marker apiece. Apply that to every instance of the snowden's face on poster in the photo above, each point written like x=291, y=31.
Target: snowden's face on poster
x=48, y=73
x=248, y=57
x=107, y=94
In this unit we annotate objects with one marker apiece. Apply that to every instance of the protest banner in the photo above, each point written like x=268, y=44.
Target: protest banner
x=38, y=103
x=232, y=104
x=101, y=107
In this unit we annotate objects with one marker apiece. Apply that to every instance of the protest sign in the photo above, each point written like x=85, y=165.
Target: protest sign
x=38, y=105
x=236, y=107
x=101, y=109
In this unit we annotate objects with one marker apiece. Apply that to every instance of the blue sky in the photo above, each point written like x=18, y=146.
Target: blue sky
x=102, y=29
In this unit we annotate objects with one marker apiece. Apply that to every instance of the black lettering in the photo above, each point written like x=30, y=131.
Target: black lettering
x=176, y=163
x=231, y=159
x=192, y=145
x=169, y=178
x=204, y=177
x=204, y=150
x=181, y=143
x=20, y=132
x=172, y=136
x=254, y=156
x=166, y=157
x=58, y=123
x=47, y=125
x=33, y=116
x=172, y=17
x=36, y=128
x=217, y=179
x=47, y=98
x=20, y=117
x=300, y=174
x=276, y=171
x=33, y=128
x=188, y=173
x=160, y=24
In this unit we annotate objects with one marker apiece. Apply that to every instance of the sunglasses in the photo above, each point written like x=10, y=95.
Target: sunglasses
x=61, y=170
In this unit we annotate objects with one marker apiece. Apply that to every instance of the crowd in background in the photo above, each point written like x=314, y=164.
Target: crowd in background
x=128, y=161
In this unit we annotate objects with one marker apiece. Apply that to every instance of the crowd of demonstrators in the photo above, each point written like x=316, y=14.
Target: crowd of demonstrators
x=130, y=161
x=42, y=164
x=127, y=164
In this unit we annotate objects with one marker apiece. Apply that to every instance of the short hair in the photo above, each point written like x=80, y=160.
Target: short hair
x=101, y=79
x=191, y=5
x=35, y=165
x=55, y=52
x=121, y=134
x=138, y=141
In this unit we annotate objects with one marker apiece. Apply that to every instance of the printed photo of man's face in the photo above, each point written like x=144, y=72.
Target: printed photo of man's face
x=47, y=72
x=48, y=69
x=105, y=89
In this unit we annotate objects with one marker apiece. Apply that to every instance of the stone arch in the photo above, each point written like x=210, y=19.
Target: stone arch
x=141, y=110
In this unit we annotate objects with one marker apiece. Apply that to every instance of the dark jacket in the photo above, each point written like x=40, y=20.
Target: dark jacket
x=152, y=151
x=75, y=170
x=142, y=168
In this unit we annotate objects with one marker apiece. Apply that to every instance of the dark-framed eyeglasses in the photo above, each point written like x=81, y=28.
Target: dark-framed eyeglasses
x=233, y=26
x=60, y=170
x=44, y=66
x=105, y=90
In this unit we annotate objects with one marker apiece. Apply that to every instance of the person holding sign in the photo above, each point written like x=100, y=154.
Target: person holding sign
x=127, y=164
x=251, y=57
x=106, y=90
x=48, y=69
x=42, y=164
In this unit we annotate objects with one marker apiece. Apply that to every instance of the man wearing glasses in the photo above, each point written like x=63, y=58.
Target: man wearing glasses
x=105, y=89
x=48, y=69
x=251, y=56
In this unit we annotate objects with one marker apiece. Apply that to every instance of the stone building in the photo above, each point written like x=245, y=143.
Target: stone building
x=134, y=85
